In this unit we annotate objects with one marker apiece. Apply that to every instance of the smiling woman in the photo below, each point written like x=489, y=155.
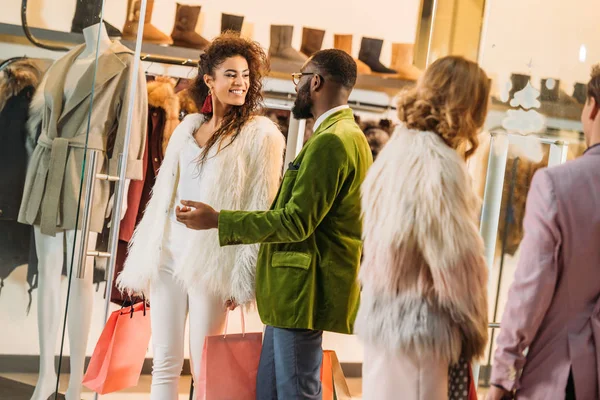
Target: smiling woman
x=229, y=84
x=226, y=156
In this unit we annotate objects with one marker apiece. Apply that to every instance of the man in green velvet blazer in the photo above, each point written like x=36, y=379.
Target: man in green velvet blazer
x=306, y=274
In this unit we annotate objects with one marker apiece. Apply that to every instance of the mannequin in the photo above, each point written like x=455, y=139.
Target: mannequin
x=51, y=251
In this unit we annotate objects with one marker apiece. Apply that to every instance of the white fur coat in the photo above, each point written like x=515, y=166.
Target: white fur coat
x=424, y=275
x=242, y=176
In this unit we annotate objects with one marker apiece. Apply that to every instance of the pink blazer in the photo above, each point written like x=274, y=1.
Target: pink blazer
x=553, y=307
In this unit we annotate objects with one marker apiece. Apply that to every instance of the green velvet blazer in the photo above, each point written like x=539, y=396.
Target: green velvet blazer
x=306, y=273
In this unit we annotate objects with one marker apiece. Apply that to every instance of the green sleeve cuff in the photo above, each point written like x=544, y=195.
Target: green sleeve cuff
x=227, y=229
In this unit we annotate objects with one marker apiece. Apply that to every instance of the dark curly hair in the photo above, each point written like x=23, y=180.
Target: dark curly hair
x=338, y=65
x=594, y=85
x=230, y=44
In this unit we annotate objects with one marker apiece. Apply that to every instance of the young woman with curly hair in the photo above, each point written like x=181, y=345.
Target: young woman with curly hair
x=231, y=158
x=424, y=277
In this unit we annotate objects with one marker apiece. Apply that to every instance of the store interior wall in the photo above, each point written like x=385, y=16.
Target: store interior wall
x=522, y=37
x=393, y=21
x=542, y=38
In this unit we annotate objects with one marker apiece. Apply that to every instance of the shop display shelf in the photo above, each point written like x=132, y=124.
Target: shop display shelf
x=566, y=108
x=281, y=69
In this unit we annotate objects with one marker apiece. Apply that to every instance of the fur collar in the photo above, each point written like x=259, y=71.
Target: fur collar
x=161, y=94
x=16, y=77
x=242, y=176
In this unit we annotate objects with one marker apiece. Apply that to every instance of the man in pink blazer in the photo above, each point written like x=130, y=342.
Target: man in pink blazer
x=549, y=342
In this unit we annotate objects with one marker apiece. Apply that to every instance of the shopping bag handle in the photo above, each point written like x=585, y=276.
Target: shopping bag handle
x=131, y=310
x=227, y=323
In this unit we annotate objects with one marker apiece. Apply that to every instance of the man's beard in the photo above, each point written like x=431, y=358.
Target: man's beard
x=303, y=105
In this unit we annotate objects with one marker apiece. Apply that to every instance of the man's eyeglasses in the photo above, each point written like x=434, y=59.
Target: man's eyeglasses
x=298, y=75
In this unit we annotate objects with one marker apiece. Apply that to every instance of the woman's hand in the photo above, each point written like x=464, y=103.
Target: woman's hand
x=197, y=216
x=231, y=304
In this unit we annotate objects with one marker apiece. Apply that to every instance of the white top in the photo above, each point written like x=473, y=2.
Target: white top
x=188, y=188
x=190, y=173
x=327, y=114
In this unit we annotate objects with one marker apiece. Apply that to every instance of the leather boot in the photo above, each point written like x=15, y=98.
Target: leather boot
x=151, y=33
x=248, y=30
x=232, y=23
x=281, y=44
x=580, y=92
x=518, y=82
x=548, y=94
x=312, y=41
x=370, y=53
x=87, y=13
x=403, y=61
x=344, y=43
x=184, y=31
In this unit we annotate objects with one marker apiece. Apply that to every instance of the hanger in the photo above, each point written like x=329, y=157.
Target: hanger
x=9, y=61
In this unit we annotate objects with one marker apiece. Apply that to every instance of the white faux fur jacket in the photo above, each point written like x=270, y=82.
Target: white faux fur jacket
x=242, y=176
x=424, y=275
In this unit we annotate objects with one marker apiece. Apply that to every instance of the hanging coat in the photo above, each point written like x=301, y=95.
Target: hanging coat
x=17, y=86
x=163, y=118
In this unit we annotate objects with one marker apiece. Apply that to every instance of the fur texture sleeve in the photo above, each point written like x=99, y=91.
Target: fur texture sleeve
x=145, y=245
x=262, y=183
x=422, y=242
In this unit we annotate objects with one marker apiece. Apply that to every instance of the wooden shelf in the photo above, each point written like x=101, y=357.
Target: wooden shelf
x=281, y=69
x=566, y=108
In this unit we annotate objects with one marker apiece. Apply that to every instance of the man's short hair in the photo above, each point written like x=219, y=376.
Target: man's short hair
x=594, y=85
x=337, y=65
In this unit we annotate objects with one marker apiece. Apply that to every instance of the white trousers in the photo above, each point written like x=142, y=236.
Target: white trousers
x=170, y=304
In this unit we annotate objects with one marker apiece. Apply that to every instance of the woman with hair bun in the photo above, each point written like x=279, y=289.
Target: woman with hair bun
x=424, y=301
x=226, y=156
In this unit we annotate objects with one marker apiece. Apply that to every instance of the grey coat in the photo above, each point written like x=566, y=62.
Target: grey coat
x=54, y=175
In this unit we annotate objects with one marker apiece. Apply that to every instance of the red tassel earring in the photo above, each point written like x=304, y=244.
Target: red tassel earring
x=207, y=106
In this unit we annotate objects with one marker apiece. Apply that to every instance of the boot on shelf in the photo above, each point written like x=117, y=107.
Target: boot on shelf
x=518, y=83
x=87, y=13
x=580, y=92
x=281, y=44
x=151, y=33
x=312, y=41
x=248, y=30
x=184, y=31
x=232, y=23
x=550, y=90
x=344, y=43
x=403, y=61
x=370, y=53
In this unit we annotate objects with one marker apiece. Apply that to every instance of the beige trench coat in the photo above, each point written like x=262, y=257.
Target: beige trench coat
x=54, y=176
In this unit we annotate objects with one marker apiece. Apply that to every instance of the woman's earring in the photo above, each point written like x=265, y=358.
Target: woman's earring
x=207, y=106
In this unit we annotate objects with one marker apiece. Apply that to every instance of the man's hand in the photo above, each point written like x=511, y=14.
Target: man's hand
x=497, y=393
x=196, y=215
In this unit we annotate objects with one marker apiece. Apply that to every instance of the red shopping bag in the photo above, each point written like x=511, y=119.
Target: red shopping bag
x=333, y=381
x=229, y=366
x=119, y=355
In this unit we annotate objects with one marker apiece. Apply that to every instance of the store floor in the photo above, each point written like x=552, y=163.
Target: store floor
x=138, y=393
x=141, y=391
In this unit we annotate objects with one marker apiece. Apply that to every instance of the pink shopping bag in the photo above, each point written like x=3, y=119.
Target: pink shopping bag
x=119, y=355
x=333, y=381
x=229, y=366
